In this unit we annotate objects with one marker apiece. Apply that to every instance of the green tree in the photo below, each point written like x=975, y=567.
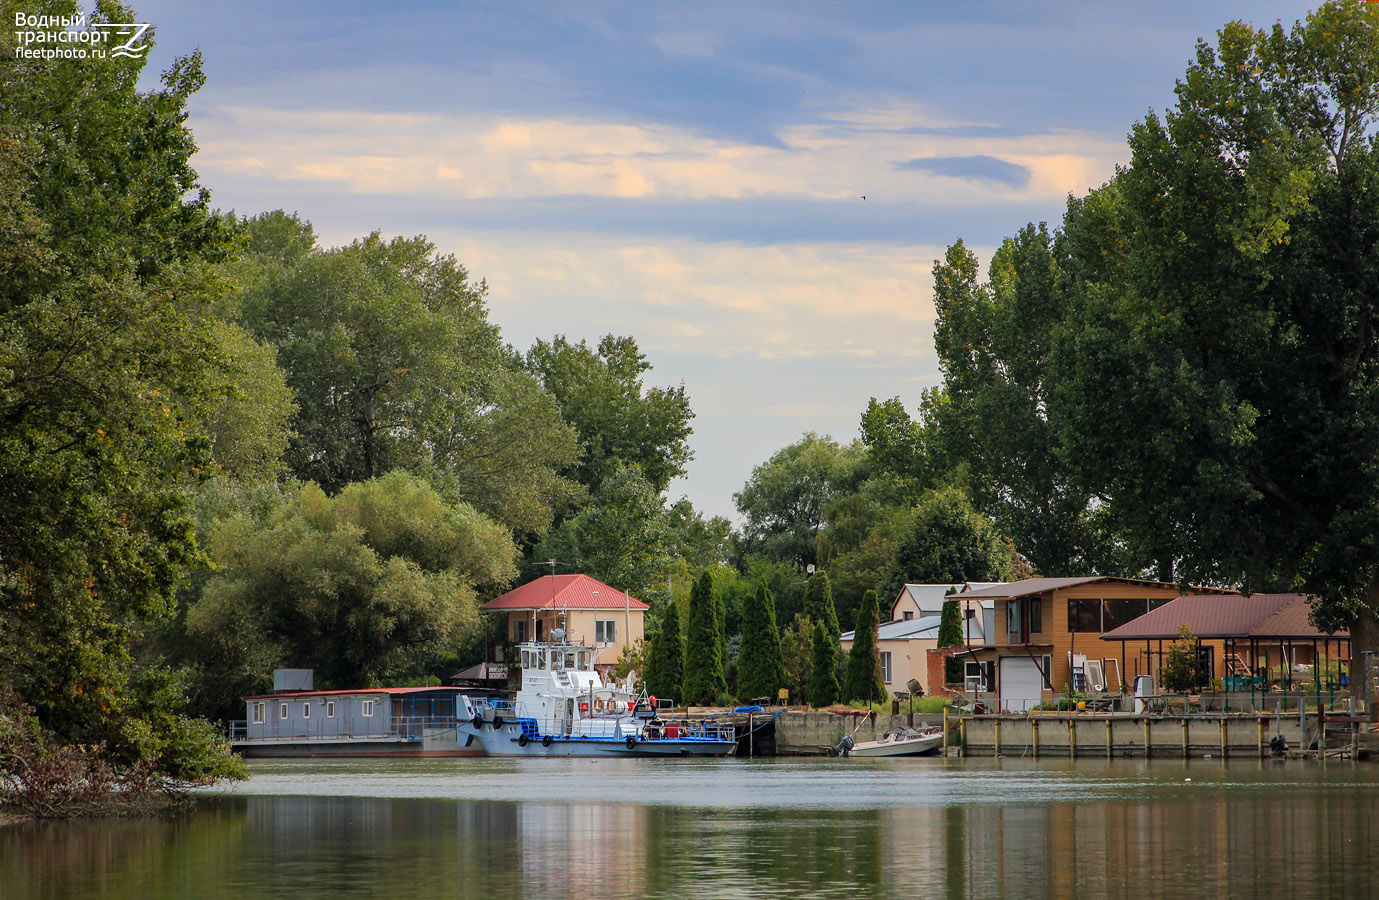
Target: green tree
x=949, y=542
x=783, y=501
x=704, y=679
x=622, y=537
x=863, y=681
x=797, y=658
x=760, y=667
x=396, y=366
x=361, y=587
x=665, y=665
x=950, y=634
x=620, y=422
x=818, y=603
x=993, y=342
x=109, y=366
x=1218, y=369
x=1182, y=670
x=823, y=683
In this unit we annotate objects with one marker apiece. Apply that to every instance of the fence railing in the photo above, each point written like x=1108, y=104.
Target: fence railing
x=338, y=729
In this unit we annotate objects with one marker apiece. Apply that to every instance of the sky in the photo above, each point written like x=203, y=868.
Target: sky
x=756, y=192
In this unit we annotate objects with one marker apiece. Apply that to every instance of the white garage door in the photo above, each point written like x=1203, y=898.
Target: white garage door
x=1021, y=684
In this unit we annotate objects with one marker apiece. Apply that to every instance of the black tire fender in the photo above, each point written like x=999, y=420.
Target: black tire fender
x=522, y=739
x=631, y=742
x=497, y=721
x=547, y=741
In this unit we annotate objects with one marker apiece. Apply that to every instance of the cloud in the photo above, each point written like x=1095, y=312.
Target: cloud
x=974, y=168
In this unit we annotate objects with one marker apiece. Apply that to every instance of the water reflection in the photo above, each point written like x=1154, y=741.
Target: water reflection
x=994, y=829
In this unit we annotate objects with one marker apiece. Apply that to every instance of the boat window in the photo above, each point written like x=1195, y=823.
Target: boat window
x=584, y=660
x=569, y=659
x=557, y=660
x=526, y=659
x=540, y=659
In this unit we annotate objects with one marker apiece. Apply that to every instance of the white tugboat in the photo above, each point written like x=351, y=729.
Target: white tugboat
x=565, y=709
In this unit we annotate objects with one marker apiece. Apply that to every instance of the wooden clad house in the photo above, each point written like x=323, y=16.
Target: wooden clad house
x=1048, y=631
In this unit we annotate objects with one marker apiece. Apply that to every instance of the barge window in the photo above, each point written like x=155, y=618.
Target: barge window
x=282, y=711
x=368, y=708
x=330, y=709
x=306, y=710
x=260, y=713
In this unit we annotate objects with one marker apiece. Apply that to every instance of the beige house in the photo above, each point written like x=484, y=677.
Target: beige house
x=903, y=642
x=590, y=611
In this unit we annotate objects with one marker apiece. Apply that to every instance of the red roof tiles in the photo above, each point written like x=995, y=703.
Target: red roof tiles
x=563, y=592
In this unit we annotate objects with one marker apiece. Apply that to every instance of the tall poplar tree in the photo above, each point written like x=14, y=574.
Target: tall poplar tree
x=704, y=679
x=818, y=603
x=950, y=635
x=823, y=682
x=665, y=665
x=863, y=681
x=761, y=669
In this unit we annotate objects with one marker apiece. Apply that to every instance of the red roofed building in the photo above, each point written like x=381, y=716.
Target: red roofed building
x=590, y=611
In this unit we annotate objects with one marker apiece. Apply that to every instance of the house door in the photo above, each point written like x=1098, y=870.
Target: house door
x=1021, y=684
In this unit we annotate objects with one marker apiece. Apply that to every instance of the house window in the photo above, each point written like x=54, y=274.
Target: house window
x=330, y=709
x=605, y=631
x=282, y=711
x=1036, y=615
x=1115, y=613
x=1084, y=616
x=519, y=630
x=886, y=667
x=260, y=713
x=306, y=710
x=367, y=708
x=909, y=614
x=1013, y=618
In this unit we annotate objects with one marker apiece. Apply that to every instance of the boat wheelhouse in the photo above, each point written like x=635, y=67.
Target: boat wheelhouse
x=564, y=708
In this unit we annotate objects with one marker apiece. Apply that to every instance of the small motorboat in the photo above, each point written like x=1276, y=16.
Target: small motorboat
x=904, y=742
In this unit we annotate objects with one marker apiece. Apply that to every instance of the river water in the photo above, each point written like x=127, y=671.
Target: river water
x=539, y=828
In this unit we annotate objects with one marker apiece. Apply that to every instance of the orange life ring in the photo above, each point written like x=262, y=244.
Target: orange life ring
x=598, y=704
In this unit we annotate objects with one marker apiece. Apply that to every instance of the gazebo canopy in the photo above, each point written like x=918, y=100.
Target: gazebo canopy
x=1259, y=616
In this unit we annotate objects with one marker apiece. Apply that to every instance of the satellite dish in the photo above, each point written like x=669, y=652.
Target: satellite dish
x=558, y=634
x=809, y=568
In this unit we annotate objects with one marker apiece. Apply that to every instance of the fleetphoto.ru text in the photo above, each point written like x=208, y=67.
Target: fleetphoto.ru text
x=76, y=37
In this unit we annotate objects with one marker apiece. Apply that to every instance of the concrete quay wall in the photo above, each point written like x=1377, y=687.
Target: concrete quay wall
x=1195, y=735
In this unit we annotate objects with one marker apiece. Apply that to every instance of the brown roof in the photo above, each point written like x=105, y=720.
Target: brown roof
x=1215, y=616
x=564, y=592
x=1043, y=585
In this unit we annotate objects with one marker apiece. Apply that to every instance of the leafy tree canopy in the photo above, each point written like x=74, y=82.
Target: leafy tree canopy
x=619, y=421
x=360, y=587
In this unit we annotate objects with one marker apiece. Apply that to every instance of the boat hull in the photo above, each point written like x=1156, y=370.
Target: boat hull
x=918, y=746
x=506, y=741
